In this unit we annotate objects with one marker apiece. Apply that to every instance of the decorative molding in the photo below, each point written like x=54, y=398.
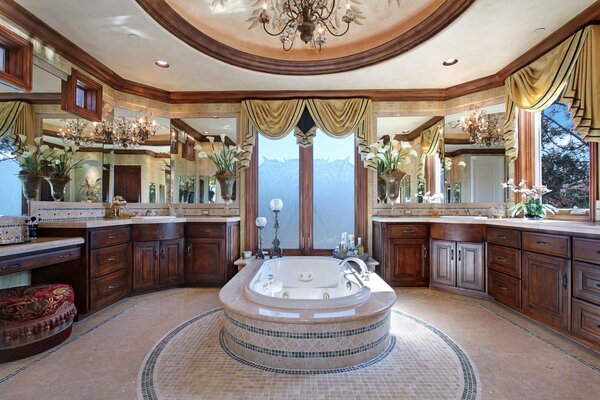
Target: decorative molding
x=168, y=18
x=485, y=152
x=82, y=96
x=200, y=137
x=415, y=133
x=456, y=141
x=32, y=98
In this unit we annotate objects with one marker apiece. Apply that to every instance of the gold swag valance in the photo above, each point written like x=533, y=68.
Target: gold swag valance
x=572, y=68
x=277, y=118
x=16, y=118
x=431, y=143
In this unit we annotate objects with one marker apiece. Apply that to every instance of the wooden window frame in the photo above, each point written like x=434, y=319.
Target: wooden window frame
x=92, y=93
x=305, y=245
x=18, y=61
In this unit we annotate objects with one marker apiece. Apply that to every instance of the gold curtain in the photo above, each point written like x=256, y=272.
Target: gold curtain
x=583, y=87
x=16, y=118
x=343, y=117
x=273, y=118
x=536, y=86
x=431, y=143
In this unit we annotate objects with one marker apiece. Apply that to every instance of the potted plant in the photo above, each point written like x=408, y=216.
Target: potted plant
x=32, y=158
x=390, y=157
x=531, y=200
x=63, y=161
x=225, y=162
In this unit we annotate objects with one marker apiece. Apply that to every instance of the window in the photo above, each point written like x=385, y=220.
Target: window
x=82, y=96
x=2, y=59
x=11, y=186
x=317, y=186
x=565, y=160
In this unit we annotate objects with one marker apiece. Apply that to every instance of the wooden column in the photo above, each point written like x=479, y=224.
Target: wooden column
x=525, y=162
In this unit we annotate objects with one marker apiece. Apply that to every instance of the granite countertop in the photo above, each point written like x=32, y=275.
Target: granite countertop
x=103, y=222
x=545, y=224
x=39, y=244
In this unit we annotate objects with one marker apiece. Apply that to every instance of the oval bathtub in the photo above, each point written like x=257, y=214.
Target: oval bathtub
x=307, y=283
x=306, y=314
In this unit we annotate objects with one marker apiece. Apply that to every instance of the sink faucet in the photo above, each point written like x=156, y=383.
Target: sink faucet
x=364, y=270
x=148, y=213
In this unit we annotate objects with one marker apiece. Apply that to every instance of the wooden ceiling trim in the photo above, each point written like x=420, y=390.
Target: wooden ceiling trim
x=415, y=133
x=174, y=23
x=63, y=46
x=200, y=137
x=487, y=152
x=32, y=98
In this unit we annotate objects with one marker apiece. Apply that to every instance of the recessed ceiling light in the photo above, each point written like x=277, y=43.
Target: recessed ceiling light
x=133, y=36
x=405, y=131
x=540, y=29
x=449, y=62
x=162, y=63
x=215, y=117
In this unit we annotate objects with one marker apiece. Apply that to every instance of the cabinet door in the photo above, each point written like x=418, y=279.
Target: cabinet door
x=546, y=289
x=469, y=266
x=406, y=263
x=443, y=263
x=145, y=265
x=171, y=262
x=205, y=262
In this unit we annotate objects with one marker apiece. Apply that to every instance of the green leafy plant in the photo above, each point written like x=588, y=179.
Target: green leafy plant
x=32, y=158
x=224, y=160
x=531, y=200
x=392, y=155
x=63, y=160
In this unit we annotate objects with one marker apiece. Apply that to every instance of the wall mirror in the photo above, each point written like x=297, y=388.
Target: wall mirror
x=423, y=171
x=193, y=177
x=474, y=162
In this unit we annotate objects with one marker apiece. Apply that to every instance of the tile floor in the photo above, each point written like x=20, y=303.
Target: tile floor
x=515, y=358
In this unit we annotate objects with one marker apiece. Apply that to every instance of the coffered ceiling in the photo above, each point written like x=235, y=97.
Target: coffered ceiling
x=485, y=38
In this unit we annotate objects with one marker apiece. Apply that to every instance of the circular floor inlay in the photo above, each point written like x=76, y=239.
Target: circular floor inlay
x=190, y=363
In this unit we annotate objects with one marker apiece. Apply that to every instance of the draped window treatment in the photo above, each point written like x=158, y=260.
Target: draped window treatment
x=573, y=69
x=431, y=143
x=16, y=118
x=277, y=118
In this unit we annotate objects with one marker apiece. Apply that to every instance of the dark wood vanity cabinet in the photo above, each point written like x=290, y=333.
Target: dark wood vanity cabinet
x=403, y=253
x=210, y=251
x=458, y=264
x=157, y=263
x=443, y=268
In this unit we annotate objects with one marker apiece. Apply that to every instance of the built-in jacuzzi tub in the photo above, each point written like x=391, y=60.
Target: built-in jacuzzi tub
x=307, y=283
x=306, y=314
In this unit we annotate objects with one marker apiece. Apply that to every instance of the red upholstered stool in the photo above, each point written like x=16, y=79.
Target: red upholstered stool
x=34, y=319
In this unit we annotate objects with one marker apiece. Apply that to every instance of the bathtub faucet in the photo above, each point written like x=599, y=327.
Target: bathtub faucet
x=364, y=270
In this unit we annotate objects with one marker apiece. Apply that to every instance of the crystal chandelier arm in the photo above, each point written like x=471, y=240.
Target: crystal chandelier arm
x=287, y=25
x=336, y=34
x=330, y=11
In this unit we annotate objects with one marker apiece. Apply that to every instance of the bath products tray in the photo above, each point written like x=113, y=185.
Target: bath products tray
x=364, y=257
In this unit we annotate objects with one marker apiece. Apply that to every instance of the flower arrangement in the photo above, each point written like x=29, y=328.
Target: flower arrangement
x=432, y=198
x=392, y=155
x=531, y=200
x=91, y=188
x=63, y=161
x=32, y=157
x=224, y=160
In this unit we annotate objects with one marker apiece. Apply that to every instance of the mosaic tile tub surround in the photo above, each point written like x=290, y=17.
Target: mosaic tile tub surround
x=12, y=229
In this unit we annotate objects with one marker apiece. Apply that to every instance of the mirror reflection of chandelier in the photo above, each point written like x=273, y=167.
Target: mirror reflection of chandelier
x=126, y=132
x=312, y=19
x=483, y=129
x=75, y=133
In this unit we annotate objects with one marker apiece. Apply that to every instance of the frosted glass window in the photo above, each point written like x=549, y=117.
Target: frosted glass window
x=11, y=186
x=279, y=177
x=333, y=189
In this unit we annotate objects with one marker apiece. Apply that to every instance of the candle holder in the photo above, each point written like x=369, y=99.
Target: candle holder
x=276, y=206
x=261, y=222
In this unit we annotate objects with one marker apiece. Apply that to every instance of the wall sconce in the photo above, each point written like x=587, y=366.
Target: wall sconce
x=276, y=206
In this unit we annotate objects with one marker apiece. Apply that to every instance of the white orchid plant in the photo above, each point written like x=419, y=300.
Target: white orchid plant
x=63, y=160
x=32, y=157
x=531, y=199
x=392, y=155
x=226, y=159
x=432, y=198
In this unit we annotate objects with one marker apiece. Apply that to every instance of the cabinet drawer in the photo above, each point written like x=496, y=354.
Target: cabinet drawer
x=408, y=232
x=586, y=250
x=553, y=245
x=24, y=263
x=504, y=259
x=109, y=259
x=586, y=282
x=109, y=289
x=586, y=321
x=109, y=237
x=203, y=230
x=505, y=237
x=504, y=289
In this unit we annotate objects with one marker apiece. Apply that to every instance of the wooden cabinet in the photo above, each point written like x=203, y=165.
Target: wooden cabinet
x=458, y=264
x=546, y=289
x=504, y=289
x=210, y=251
x=407, y=263
x=586, y=322
x=158, y=263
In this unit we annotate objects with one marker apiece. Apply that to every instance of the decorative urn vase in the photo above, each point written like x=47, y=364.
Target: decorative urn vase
x=393, y=184
x=226, y=181
x=58, y=183
x=381, y=189
x=31, y=181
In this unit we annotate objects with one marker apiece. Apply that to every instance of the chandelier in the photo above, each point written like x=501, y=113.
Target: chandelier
x=126, y=132
x=312, y=19
x=483, y=129
x=74, y=133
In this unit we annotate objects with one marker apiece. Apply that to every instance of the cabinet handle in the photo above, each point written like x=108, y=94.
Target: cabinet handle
x=162, y=253
x=62, y=257
x=409, y=231
x=189, y=250
x=502, y=237
x=502, y=288
x=155, y=253
x=597, y=251
x=112, y=236
x=543, y=243
x=451, y=255
x=502, y=259
x=564, y=280
x=424, y=252
x=111, y=259
x=13, y=266
x=111, y=287
x=459, y=255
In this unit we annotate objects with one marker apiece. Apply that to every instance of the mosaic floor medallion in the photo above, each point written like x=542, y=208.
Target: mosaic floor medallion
x=192, y=362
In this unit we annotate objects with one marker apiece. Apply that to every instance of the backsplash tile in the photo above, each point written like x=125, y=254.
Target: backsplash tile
x=424, y=210
x=12, y=229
